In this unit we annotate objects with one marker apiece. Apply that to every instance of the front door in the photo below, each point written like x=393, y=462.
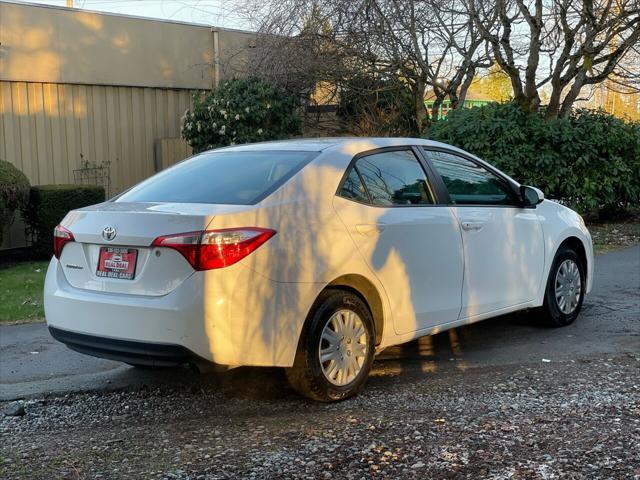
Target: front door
x=412, y=244
x=503, y=242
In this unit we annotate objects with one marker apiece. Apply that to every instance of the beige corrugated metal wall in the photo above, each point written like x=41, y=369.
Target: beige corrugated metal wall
x=79, y=86
x=47, y=129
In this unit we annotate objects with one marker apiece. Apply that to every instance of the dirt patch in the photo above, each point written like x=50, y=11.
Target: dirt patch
x=613, y=236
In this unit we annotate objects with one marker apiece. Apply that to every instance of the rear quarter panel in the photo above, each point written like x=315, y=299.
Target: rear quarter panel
x=312, y=244
x=311, y=249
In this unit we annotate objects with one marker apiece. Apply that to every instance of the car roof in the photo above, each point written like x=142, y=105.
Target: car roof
x=323, y=143
x=356, y=144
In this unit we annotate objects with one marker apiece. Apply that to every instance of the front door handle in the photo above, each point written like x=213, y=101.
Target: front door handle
x=370, y=228
x=472, y=226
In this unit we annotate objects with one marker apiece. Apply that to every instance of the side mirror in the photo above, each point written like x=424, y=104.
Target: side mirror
x=531, y=196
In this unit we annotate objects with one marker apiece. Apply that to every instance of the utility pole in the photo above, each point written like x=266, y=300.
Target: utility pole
x=69, y=3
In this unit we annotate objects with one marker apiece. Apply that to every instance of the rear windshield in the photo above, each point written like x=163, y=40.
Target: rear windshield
x=238, y=178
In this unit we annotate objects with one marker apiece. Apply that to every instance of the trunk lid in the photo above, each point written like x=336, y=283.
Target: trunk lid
x=134, y=226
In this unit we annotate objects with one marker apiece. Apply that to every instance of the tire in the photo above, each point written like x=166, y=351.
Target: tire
x=323, y=381
x=555, y=313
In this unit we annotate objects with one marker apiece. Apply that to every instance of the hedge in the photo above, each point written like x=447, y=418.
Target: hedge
x=14, y=193
x=48, y=204
x=590, y=161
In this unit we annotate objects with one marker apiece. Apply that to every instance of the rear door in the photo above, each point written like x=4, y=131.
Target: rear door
x=409, y=241
x=503, y=242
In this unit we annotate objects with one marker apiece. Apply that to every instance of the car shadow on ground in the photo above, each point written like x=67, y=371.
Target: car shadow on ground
x=427, y=355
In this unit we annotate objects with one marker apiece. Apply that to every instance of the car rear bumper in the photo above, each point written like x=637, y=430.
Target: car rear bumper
x=172, y=319
x=233, y=317
x=138, y=353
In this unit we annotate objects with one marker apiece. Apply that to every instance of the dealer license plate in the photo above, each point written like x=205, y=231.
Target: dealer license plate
x=117, y=262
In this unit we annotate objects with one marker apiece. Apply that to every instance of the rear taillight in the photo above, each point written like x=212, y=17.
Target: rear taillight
x=61, y=236
x=209, y=249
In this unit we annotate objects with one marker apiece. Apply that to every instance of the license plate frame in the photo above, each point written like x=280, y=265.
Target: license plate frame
x=117, y=263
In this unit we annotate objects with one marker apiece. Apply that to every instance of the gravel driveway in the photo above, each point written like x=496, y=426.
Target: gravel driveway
x=499, y=399
x=577, y=419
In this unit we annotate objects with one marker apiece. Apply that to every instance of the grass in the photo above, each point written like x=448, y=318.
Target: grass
x=21, y=287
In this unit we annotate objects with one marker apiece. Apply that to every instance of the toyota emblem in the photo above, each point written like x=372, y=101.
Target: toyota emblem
x=109, y=233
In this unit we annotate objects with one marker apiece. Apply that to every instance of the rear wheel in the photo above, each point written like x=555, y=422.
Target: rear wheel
x=336, y=348
x=565, y=289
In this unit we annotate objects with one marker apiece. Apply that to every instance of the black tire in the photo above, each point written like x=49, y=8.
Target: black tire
x=551, y=313
x=306, y=376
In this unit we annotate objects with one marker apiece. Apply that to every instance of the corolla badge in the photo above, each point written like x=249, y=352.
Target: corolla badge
x=109, y=233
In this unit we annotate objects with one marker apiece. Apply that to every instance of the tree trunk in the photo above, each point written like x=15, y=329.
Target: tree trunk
x=435, y=108
x=464, y=89
x=521, y=100
x=572, y=95
x=454, y=99
x=553, y=108
x=420, y=109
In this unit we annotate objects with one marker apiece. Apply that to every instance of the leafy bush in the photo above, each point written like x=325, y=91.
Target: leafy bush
x=240, y=111
x=590, y=160
x=48, y=204
x=14, y=193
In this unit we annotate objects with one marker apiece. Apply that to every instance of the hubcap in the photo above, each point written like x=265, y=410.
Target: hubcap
x=343, y=347
x=568, y=287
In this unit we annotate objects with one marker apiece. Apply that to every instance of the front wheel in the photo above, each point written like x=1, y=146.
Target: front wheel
x=565, y=289
x=336, y=348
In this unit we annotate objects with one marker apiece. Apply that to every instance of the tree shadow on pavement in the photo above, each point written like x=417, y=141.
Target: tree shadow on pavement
x=470, y=345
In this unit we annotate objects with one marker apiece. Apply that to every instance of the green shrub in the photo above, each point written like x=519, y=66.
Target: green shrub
x=240, y=111
x=48, y=204
x=591, y=160
x=14, y=193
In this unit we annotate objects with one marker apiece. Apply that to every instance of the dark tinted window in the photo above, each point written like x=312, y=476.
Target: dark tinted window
x=353, y=188
x=394, y=178
x=220, y=177
x=469, y=183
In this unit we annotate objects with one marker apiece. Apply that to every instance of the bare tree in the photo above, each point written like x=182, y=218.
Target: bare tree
x=563, y=44
x=432, y=46
x=295, y=50
x=436, y=47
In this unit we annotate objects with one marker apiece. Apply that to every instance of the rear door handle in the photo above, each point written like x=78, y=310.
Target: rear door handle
x=370, y=228
x=472, y=226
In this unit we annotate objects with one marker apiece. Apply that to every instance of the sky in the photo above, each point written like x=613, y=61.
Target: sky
x=211, y=12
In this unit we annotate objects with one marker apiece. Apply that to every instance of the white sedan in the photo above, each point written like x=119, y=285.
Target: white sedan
x=311, y=255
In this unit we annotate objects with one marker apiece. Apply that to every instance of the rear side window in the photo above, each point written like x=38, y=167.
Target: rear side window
x=240, y=178
x=469, y=183
x=394, y=178
x=353, y=189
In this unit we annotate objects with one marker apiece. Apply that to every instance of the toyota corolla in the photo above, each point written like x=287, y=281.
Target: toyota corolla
x=310, y=255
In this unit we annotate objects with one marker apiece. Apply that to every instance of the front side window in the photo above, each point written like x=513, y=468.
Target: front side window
x=394, y=178
x=469, y=183
x=232, y=177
